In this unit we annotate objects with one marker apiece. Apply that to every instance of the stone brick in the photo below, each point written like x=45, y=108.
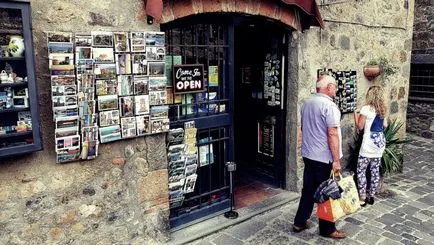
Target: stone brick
x=344, y=42
x=68, y=218
x=153, y=186
x=57, y=234
x=183, y=8
x=118, y=161
x=97, y=19
x=401, y=93
x=211, y=6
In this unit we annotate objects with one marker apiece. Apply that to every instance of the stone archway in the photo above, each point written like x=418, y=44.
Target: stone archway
x=175, y=9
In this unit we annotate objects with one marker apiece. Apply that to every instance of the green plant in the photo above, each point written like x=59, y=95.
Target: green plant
x=387, y=69
x=392, y=160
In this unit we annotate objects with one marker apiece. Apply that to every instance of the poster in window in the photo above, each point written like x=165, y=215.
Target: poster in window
x=170, y=62
x=213, y=76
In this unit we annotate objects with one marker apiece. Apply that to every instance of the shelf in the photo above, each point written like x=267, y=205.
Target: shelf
x=10, y=135
x=11, y=58
x=12, y=85
x=14, y=110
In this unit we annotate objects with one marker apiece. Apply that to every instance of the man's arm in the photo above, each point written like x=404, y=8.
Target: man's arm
x=333, y=141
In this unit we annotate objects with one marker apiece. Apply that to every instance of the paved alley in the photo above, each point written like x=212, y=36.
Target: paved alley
x=404, y=218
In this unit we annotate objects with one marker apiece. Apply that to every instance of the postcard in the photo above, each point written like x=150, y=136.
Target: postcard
x=64, y=132
x=127, y=106
x=60, y=48
x=157, y=97
x=190, y=169
x=90, y=149
x=65, y=111
x=159, y=111
x=68, y=155
x=89, y=133
x=109, y=118
x=155, y=53
x=59, y=37
x=155, y=38
x=102, y=39
x=141, y=104
x=67, y=142
x=105, y=71
x=138, y=42
x=125, y=85
x=64, y=100
x=143, y=126
x=24, y=116
x=83, y=53
x=176, y=148
x=157, y=84
x=89, y=120
x=60, y=61
x=176, y=164
x=137, y=35
x=172, y=98
x=175, y=136
x=103, y=54
x=128, y=125
x=108, y=102
x=123, y=63
x=63, y=90
x=190, y=183
x=110, y=133
x=83, y=40
x=160, y=125
x=156, y=68
x=140, y=85
x=106, y=87
x=122, y=42
x=86, y=107
x=139, y=64
x=62, y=80
x=67, y=122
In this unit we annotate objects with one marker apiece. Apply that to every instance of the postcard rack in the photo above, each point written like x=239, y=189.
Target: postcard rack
x=106, y=86
x=19, y=112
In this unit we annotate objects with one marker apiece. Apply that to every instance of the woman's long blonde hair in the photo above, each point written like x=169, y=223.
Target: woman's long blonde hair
x=375, y=98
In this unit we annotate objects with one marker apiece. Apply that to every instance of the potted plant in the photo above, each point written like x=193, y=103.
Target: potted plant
x=380, y=66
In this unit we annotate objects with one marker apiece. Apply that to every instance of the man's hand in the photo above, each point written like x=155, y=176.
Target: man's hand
x=336, y=165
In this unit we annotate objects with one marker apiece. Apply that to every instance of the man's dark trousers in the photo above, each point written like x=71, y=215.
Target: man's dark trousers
x=314, y=174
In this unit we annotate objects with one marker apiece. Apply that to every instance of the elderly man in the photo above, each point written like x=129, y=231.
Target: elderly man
x=321, y=151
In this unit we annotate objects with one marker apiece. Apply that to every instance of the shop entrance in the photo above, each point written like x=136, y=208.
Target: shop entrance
x=259, y=111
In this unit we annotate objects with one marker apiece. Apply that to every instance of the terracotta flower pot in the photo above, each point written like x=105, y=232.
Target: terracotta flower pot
x=371, y=72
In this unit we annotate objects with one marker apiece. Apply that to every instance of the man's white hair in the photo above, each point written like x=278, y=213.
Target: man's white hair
x=324, y=80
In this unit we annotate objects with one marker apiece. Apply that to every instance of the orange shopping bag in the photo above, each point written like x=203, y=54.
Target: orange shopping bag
x=330, y=210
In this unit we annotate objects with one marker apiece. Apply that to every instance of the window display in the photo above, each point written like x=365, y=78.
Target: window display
x=19, y=113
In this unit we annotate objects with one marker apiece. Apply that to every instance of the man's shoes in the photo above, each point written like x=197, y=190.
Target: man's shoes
x=370, y=200
x=297, y=229
x=337, y=235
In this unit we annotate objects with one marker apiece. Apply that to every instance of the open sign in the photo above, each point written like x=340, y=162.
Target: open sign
x=188, y=79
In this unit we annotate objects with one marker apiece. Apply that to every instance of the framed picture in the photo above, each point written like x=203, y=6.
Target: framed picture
x=103, y=54
x=108, y=102
x=139, y=64
x=83, y=41
x=155, y=53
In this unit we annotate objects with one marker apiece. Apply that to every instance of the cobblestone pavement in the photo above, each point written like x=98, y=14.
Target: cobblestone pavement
x=404, y=218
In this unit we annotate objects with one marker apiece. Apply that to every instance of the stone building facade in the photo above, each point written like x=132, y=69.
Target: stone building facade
x=421, y=105
x=122, y=196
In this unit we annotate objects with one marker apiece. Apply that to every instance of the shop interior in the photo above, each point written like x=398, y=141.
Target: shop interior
x=258, y=157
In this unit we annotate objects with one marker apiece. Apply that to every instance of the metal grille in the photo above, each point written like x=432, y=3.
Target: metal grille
x=207, y=44
x=422, y=83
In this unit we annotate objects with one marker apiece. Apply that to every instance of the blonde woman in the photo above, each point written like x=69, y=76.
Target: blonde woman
x=372, y=120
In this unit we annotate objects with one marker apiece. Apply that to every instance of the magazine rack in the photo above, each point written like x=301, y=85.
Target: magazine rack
x=19, y=112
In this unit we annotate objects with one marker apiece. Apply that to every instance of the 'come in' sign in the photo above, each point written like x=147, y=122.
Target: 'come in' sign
x=188, y=79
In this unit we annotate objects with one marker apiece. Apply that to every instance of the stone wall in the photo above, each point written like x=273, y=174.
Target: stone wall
x=423, y=33
x=120, y=197
x=356, y=32
x=420, y=119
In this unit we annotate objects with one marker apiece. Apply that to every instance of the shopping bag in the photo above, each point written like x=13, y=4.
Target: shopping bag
x=327, y=189
x=334, y=209
x=349, y=197
x=330, y=210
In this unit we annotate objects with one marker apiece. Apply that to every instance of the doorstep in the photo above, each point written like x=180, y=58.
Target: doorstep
x=217, y=223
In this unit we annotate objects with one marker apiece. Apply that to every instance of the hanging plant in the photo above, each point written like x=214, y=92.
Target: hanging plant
x=377, y=67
